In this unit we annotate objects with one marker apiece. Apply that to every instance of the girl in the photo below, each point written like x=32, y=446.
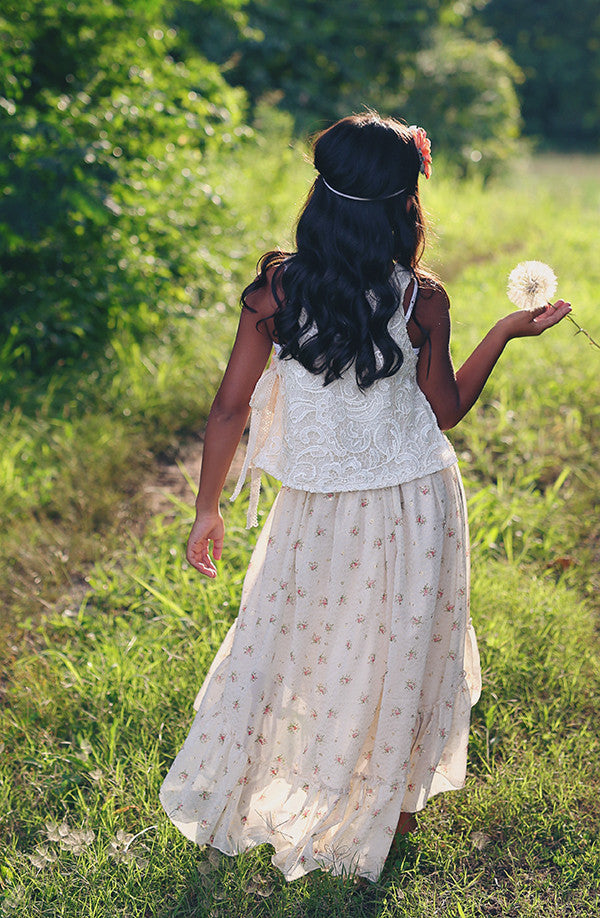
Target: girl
x=340, y=699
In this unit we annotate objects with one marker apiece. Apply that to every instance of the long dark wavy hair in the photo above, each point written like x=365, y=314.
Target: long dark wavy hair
x=345, y=248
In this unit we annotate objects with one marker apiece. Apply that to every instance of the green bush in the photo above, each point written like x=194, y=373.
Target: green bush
x=557, y=46
x=465, y=89
x=107, y=123
x=428, y=62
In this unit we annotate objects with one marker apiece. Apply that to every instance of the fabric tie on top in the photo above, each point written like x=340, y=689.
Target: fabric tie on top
x=263, y=404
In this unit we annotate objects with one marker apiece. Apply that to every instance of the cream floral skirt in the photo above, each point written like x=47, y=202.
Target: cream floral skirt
x=341, y=695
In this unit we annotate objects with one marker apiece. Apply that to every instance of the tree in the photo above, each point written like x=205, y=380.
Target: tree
x=466, y=91
x=426, y=60
x=558, y=47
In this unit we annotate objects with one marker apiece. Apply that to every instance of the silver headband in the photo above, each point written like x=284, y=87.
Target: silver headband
x=352, y=197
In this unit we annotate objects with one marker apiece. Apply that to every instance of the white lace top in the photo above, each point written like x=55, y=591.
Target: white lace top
x=336, y=438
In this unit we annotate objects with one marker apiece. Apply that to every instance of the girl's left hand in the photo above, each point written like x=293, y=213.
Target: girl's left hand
x=532, y=322
x=208, y=527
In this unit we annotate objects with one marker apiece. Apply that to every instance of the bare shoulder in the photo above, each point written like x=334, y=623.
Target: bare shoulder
x=260, y=297
x=433, y=305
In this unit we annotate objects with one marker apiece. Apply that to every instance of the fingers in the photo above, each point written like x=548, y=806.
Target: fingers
x=198, y=556
x=552, y=314
x=207, y=528
x=217, y=548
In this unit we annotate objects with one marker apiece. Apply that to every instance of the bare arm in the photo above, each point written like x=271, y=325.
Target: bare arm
x=451, y=395
x=225, y=426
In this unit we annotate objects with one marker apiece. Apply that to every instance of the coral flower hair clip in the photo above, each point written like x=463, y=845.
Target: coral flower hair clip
x=423, y=145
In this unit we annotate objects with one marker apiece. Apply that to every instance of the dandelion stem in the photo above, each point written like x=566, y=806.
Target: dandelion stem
x=583, y=331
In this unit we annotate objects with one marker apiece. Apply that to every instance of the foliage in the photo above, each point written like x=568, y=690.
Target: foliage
x=100, y=696
x=422, y=61
x=556, y=44
x=75, y=446
x=114, y=128
x=106, y=127
x=466, y=91
x=322, y=60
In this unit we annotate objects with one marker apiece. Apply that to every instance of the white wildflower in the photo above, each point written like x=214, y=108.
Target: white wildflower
x=77, y=840
x=52, y=831
x=119, y=854
x=531, y=284
x=120, y=851
x=119, y=845
x=124, y=856
x=86, y=748
x=55, y=832
x=42, y=857
x=480, y=840
x=73, y=840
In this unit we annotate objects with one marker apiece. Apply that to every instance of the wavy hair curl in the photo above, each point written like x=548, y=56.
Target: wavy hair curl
x=345, y=248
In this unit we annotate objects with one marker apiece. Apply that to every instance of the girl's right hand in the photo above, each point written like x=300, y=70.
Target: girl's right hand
x=208, y=527
x=527, y=322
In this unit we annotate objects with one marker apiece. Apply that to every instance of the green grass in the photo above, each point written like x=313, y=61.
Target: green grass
x=99, y=696
x=73, y=450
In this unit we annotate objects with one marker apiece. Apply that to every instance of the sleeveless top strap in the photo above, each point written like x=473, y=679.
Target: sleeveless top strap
x=413, y=300
x=296, y=434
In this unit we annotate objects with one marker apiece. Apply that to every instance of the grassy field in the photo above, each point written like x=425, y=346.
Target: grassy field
x=98, y=691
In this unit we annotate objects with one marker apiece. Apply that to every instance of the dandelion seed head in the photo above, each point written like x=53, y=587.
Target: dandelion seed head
x=52, y=831
x=531, y=284
x=42, y=856
x=86, y=748
x=121, y=853
x=214, y=857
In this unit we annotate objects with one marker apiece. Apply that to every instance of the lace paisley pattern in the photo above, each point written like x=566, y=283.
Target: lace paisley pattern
x=336, y=438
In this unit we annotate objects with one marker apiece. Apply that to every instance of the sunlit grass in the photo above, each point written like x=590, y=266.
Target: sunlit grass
x=114, y=682
x=100, y=700
x=73, y=451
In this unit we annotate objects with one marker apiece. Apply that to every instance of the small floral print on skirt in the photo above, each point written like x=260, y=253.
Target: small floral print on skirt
x=327, y=711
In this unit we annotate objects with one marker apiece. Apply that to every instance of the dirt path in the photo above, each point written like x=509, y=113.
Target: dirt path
x=171, y=478
x=162, y=481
